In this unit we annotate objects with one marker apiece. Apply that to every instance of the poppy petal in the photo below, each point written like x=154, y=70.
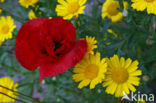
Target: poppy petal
x=65, y=63
x=26, y=37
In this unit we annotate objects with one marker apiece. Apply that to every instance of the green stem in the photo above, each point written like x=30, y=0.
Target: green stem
x=20, y=93
x=13, y=98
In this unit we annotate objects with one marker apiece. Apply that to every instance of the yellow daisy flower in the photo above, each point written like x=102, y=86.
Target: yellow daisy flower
x=122, y=76
x=31, y=15
x=90, y=71
x=8, y=83
x=110, y=10
x=69, y=8
x=27, y=3
x=141, y=101
x=91, y=45
x=141, y=5
x=6, y=28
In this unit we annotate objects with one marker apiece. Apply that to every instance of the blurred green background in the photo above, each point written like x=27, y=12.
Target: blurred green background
x=136, y=39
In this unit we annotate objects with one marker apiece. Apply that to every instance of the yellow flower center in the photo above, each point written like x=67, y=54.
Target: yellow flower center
x=149, y=0
x=120, y=75
x=73, y=7
x=91, y=71
x=5, y=29
x=112, y=8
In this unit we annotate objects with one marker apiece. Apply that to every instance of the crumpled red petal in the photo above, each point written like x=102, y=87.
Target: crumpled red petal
x=69, y=60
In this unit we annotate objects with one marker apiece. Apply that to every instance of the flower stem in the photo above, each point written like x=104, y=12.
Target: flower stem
x=20, y=94
x=13, y=98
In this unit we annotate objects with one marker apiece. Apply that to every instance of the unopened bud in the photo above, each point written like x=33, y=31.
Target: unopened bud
x=99, y=90
x=146, y=78
x=125, y=13
x=50, y=17
x=149, y=42
x=78, y=24
x=53, y=78
x=154, y=25
x=43, y=82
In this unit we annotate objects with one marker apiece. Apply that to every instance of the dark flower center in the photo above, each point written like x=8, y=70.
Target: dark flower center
x=54, y=48
x=57, y=45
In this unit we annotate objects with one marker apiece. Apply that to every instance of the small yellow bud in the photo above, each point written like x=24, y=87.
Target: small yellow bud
x=50, y=17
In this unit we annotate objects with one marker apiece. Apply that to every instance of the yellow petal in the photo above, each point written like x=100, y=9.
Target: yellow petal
x=82, y=2
x=122, y=62
x=106, y=83
x=119, y=91
x=136, y=73
x=128, y=62
x=125, y=88
x=84, y=83
x=78, y=77
x=131, y=87
x=111, y=88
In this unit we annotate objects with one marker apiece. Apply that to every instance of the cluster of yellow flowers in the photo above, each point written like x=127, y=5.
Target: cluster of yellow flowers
x=110, y=8
x=117, y=74
x=141, y=5
x=72, y=8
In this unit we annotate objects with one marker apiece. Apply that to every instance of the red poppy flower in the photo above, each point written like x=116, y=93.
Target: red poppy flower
x=49, y=44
